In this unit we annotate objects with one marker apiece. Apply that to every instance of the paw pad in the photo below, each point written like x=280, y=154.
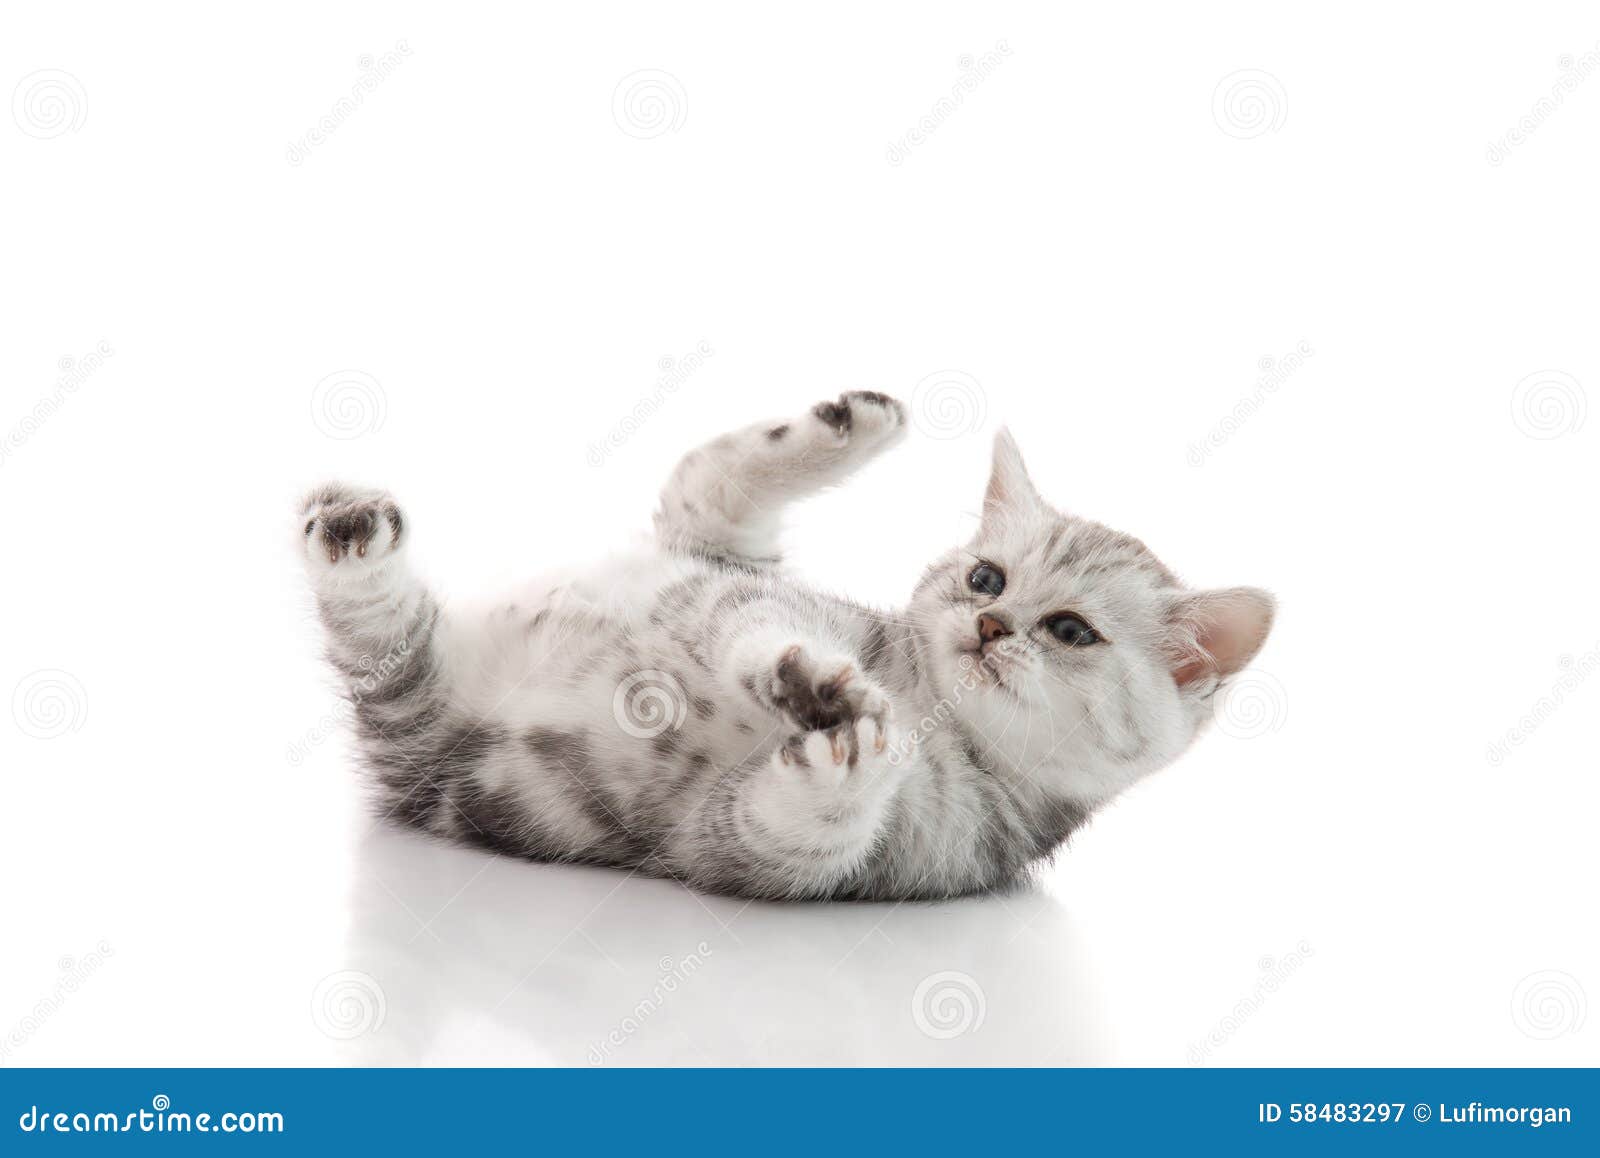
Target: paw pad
x=841, y=714
x=875, y=412
x=341, y=522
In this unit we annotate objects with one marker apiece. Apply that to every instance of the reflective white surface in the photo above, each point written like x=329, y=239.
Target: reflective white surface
x=253, y=913
x=484, y=960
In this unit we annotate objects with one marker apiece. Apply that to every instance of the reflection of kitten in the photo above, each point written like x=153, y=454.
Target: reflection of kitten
x=696, y=712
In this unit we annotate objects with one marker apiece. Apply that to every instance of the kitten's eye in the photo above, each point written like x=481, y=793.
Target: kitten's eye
x=990, y=580
x=1072, y=630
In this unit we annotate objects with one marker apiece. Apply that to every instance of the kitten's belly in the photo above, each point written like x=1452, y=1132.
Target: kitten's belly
x=613, y=653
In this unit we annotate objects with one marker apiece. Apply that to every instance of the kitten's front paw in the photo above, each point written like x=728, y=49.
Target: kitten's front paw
x=862, y=416
x=348, y=530
x=824, y=790
x=843, y=747
x=829, y=698
x=854, y=757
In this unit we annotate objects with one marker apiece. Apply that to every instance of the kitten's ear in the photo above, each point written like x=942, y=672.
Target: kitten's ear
x=1010, y=489
x=1217, y=633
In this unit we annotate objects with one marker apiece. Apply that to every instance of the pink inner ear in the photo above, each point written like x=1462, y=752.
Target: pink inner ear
x=1229, y=626
x=1186, y=673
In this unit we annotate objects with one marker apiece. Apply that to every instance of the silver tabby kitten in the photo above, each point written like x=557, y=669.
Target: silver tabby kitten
x=694, y=711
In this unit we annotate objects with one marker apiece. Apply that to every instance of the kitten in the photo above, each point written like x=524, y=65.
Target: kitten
x=693, y=711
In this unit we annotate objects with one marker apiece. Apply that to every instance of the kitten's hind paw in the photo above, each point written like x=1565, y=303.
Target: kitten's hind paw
x=863, y=418
x=348, y=530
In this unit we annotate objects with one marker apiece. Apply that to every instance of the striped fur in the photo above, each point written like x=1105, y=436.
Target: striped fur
x=691, y=710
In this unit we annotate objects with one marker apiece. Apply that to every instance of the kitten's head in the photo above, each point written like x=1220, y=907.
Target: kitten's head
x=1067, y=645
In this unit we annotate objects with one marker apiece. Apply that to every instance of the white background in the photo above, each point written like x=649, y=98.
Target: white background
x=1100, y=245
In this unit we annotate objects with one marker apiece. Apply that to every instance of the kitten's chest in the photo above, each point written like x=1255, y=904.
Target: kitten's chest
x=622, y=620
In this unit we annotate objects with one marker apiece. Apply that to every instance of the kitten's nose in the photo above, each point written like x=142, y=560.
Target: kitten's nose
x=990, y=628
